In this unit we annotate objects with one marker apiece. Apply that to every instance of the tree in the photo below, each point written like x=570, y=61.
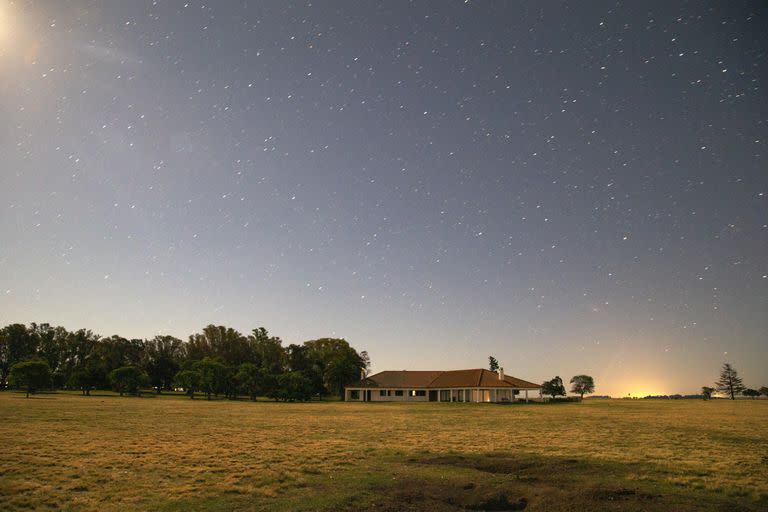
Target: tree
x=80, y=351
x=267, y=351
x=162, y=360
x=752, y=393
x=16, y=345
x=32, y=374
x=189, y=380
x=50, y=343
x=251, y=379
x=764, y=391
x=493, y=364
x=706, y=392
x=294, y=386
x=730, y=383
x=83, y=378
x=582, y=384
x=212, y=375
x=553, y=387
x=128, y=379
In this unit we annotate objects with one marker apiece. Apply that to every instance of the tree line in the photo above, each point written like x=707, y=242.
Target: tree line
x=217, y=361
x=580, y=384
x=730, y=385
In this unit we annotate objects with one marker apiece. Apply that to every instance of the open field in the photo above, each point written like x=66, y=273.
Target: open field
x=61, y=451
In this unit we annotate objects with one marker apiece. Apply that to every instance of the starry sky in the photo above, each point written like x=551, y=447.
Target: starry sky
x=571, y=187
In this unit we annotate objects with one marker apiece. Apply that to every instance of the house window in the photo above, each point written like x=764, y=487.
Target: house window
x=354, y=394
x=385, y=392
x=421, y=392
x=399, y=392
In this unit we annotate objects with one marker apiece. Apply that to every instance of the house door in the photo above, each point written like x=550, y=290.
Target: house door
x=368, y=395
x=432, y=396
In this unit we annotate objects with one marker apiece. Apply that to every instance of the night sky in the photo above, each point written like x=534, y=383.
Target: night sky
x=573, y=188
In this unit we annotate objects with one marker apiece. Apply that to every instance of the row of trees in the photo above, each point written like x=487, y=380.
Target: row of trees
x=580, y=384
x=731, y=385
x=217, y=361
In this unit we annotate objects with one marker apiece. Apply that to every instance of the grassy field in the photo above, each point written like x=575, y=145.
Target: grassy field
x=60, y=451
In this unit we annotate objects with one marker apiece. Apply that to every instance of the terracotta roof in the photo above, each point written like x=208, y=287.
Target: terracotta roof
x=474, y=378
x=400, y=379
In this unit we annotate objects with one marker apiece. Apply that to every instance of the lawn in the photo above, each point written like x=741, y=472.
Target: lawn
x=65, y=451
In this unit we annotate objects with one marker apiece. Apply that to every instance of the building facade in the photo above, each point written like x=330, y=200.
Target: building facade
x=474, y=385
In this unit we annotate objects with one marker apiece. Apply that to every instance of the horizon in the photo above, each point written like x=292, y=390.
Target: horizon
x=571, y=189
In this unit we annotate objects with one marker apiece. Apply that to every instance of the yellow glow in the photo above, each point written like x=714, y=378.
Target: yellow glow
x=5, y=25
x=642, y=388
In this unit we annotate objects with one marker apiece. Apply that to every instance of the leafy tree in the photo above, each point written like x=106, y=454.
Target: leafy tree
x=298, y=385
x=189, y=380
x=337, y=363
x=83, y=378
x=752, y=393
x=79, y=351
x=268, y=351
x=226, y=344
x=16, y=344
x=32, y=374
x=252, y=380
x=163, y=356
x=117, y=352
x=293, y=386
x=49, y=342
x=582, y=384
x=706, y=392
x=212, y=375
x=300, y=358
x=764, y=391
x=493, y=364
x=553, y=387
x=128, y=379
x=730, y=383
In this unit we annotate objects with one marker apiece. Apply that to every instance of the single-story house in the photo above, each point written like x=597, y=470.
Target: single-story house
x=476, y=385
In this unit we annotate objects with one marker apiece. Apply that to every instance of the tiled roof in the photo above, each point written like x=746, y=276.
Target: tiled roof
x=474, y=378
x=401, y=379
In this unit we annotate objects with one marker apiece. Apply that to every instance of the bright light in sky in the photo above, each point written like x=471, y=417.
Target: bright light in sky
x=5, y=26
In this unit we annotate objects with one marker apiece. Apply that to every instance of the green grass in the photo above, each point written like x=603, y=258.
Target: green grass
x=65, y=451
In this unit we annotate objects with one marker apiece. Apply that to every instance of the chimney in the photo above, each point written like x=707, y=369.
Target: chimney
x=501, y=373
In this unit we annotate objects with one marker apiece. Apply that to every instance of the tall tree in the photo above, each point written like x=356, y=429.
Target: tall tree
x=32, y=375
x=163, y=356
x=729, y=383
x=212, y=374
x=16, y=344
x=267, y=350
x=553, y=387
x=79, y=352
x=226, y=344
x=493, y=364
x=50, y=343
x=337, y=362
x=582, y=384
x=128, y=379
x=252, y=380
x=189, y=381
